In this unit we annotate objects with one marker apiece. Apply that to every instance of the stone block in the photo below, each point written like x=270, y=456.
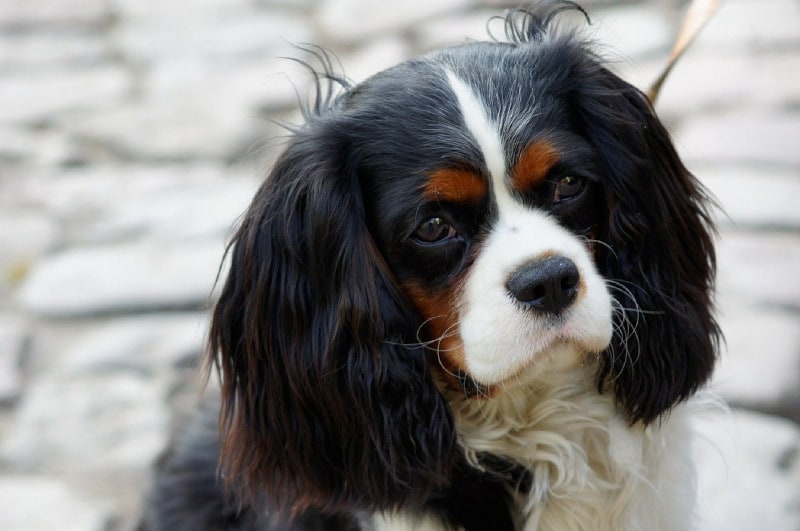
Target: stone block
x=760, y=268
x=13, y=336
x=77, y=422
x=34, y=98
x=760, y=362
x=34, y=503
x=750, y=24
x=749, y=473
x=37, y=14
x=741, y=136
x=149, y=344
x=351, y=21
x=146, y=275
x=753, y=198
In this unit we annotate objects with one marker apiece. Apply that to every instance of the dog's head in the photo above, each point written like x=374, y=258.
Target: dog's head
x=482, y=216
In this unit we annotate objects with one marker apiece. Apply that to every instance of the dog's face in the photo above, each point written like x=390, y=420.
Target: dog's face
x=486, y=200
x=487, y=214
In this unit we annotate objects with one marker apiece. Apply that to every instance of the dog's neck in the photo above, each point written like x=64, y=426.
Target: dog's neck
x=590, y=469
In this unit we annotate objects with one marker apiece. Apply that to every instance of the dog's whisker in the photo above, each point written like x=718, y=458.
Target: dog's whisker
x=593, y=241
x=625, y=328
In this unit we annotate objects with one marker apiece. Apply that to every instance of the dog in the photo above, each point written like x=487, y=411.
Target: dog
x=474, y=292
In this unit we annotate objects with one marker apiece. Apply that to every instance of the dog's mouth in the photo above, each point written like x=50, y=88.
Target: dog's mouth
x=561, y=356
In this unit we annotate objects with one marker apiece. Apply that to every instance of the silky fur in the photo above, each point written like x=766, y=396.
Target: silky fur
x=590, y=470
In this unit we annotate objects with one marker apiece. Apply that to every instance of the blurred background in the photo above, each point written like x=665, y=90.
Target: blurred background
x=134, y=132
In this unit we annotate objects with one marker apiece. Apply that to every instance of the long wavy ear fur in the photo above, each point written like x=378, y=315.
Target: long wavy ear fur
x=659, y=256
x=325, y=406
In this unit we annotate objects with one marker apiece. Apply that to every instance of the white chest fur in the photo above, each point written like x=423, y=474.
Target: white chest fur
x=590, y=469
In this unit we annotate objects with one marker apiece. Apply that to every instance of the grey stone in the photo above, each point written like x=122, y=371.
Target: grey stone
x=12, y=339
x=25, y=235
x=754, y=197
x=110, y=203
x=747, y=24
x=36, y=503
x=351, y=21
x=258, y=83
x=151, y=343
x=292, y=4
x=760, y=268
x=26, y=148
x=88, y=192
x=760, y=363
x=754, y=137
x=150, y=9
x=749, y=475
x=137, y=276
x=38, y=50
x=378, y=55
x=16, y=145
x=214, y=35
x=26, y=14
x=36, y=97
x=75, y=422
x=632, y=32
x=167, y=128
x=436, y=32
x=188, y=211
x=724, y=79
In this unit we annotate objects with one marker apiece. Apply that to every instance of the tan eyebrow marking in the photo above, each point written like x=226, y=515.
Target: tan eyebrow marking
x=454, y=185
x=533, y=165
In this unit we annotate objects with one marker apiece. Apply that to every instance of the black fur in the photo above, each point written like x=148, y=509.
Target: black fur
x=322, y=400
x=659, y=251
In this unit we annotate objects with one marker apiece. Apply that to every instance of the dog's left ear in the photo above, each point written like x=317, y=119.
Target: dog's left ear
x=327, y=402
x=659, y=256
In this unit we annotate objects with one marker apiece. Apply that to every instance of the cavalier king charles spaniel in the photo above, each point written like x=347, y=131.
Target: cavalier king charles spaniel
x=473, y=293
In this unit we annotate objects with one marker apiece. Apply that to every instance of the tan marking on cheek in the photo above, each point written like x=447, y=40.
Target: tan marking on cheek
x=441, y=328
x=533, y=165
x=457, y=186
x=591, y=244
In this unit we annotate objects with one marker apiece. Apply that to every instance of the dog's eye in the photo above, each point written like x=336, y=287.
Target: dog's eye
x=433, y=230
x=568, y=187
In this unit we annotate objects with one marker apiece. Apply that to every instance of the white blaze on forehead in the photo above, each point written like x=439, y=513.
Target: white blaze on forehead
x=500, y=337
x=485, y=132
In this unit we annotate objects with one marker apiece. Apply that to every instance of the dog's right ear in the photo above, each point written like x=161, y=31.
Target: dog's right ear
x=658, y=253
x=326, y=403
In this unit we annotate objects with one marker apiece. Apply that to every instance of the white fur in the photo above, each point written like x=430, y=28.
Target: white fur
x=399, y=521
x=591, y=470
x=505, y=342
x=483, y=130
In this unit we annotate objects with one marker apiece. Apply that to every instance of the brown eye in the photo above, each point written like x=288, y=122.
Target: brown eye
x=568, y=187
x=433, y=230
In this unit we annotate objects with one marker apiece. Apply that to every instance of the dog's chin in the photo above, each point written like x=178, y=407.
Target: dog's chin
x=540, y=368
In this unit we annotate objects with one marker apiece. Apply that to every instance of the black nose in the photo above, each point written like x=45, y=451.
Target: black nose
x=547, y=286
